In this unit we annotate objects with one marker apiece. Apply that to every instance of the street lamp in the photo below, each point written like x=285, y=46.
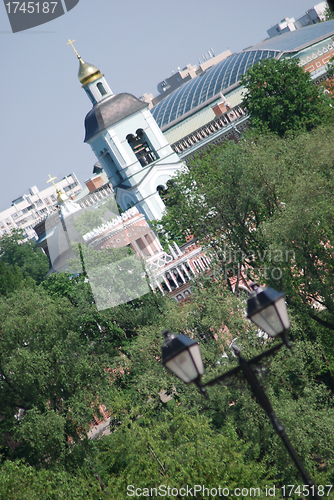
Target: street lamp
x=182, y=356
x=267, y=309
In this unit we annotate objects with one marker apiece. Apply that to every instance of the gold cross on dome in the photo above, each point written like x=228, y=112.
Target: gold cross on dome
x=70, y=42
x=52, y=179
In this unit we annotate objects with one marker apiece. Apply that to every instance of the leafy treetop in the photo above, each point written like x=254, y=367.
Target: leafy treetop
x=32, y=261
x=281, y=97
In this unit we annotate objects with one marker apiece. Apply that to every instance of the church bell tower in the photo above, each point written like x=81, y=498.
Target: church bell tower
x=128, y=143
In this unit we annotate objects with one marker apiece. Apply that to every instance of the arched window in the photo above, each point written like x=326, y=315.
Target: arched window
x=141, y=148
x=165, y=194
x=101, y=89
x=162, y=191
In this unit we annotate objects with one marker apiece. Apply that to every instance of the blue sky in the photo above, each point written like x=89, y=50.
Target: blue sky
x=134, y=44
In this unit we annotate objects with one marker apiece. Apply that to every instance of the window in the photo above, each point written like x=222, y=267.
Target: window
x=163, y=193
x=69, y=187
x=143, y=247
x=25, y=210
x=141, y=148
x=101, y=89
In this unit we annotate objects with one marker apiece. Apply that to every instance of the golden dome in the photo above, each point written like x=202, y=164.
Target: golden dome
x=88, y=72
x=62, y=197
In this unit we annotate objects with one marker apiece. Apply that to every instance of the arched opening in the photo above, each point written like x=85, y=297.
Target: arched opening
x=162, y=190
x=101, y=89
x=165, y=193
x=141, y=147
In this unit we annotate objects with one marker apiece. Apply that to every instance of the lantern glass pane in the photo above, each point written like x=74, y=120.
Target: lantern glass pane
x=197, y=357
x=283, y=312
x=182, y=366
x=262, y=323
x=273, y=320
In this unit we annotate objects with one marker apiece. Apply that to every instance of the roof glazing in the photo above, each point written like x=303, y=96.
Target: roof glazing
x=206, y=85
x=298, y=39
x=229, y=71
x=197, y=120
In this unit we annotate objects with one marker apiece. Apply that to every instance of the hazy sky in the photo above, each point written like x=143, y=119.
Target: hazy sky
x=135, y=44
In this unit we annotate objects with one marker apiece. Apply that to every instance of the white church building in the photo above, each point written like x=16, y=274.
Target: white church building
x=128, y=143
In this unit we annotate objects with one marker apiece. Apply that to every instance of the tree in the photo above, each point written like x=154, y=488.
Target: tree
x=10, y=278
x=146, y=429
x=20, y=480
x=55, y=364
x=225, y=196
x=60, y=356
x=242, y=203
x=281, y=97
x=32, y=261
x=54, y=373
x=329, y=11
x=91, y=218
x=179, y=449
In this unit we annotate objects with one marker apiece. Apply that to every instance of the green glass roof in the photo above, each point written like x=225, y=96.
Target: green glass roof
x=228, y=72
x=207, y=84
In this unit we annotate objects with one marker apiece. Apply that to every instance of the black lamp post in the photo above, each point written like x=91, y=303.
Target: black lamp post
x=267, y=309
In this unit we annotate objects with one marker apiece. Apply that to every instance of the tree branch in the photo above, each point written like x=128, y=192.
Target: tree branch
x=322, y=321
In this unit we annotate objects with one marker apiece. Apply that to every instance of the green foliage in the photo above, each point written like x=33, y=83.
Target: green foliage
x=71, y=287
x=19, y=480
x=281, y=97
x=329, y=14
x=42, y=436
x=243, y=203
x=297, y=386
x=60, y=357
x=116, y=275
x=11, y=278
x=95, y=217
x=52, y=372
x=88, y=221
x=55, y=374
x=168, y=232
x=177, y=450
x=304, y=405
x=32, y=262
